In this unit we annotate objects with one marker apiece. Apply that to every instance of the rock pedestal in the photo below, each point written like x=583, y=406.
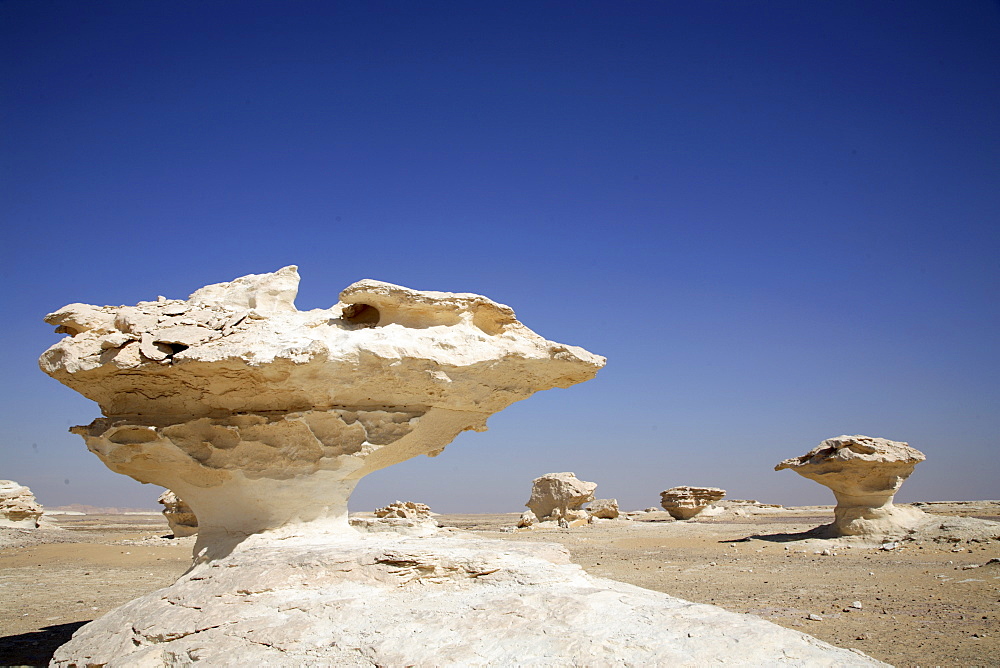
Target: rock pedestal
x=864, y=473
x=685, y=502
x=18, y=508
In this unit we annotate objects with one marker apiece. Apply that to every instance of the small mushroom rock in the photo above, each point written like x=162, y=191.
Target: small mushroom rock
x=560, y=496
x=605, y=509
x=864, y=474
x=180, y=517
x=18, y=508
x=685, y=502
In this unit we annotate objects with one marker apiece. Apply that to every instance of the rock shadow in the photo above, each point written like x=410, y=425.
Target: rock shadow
x=37, y=647
x=822, y=531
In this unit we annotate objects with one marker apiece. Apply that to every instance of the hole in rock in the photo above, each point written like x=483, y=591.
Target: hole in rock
x=361, y=315
x=175, y=348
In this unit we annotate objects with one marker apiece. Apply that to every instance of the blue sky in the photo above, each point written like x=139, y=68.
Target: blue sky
x=778, y=221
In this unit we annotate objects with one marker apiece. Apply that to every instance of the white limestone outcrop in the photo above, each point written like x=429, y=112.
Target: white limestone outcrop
x=18, y=507
x=180, y=517
x=262, y=417
x=389, y=600
x=864, y=473
x=685, y=502
x=405, y=510
x=604, y=509
x=560, y=496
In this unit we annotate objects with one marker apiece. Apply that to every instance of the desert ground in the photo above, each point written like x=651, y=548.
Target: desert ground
x=917, y=604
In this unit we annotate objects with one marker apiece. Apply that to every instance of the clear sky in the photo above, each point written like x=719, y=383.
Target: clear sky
x=780, y=221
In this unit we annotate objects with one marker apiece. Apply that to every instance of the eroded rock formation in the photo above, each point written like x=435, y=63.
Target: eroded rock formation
x=864, y=473
x=180, y=517
x=261, y=416
x=560, y=496
x=605, y=509
x=685, y=502
x=18, y=508
x=406, y=510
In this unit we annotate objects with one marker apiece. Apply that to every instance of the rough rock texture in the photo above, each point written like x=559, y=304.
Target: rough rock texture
x=605, y=509
x=407, y=510
x=864, y=474
x=388, y=600
x=685, y=502
x=180, y=517
x=527, y=520
x=560, y=496
x=18, y=508
x=261, y=416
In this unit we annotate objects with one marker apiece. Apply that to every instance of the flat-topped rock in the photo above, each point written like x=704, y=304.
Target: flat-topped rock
x=18, y=507
x=685, y=502
x=864, y=474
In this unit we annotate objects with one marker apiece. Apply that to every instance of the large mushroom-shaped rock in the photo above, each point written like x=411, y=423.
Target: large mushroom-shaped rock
x=685, y=502
x=560, y=496
x=864, y=474
x=180, y=517
x=263, y=418
x=18, y=508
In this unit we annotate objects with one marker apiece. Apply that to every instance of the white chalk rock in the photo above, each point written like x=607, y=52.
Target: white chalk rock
x=387, y=600
x=263, y=417
x=180, y=517
x=605, y=509
x=685, y=502
x=406, y=510
x=864, y=473
x=560, y=496
x=18, y=508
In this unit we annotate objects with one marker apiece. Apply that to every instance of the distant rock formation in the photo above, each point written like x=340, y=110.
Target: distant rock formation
x=864, y=474
x=685, y=502
x=604, y=509
x=560, y=496
x=180, y=517
x=406, y=510
x=18, y=508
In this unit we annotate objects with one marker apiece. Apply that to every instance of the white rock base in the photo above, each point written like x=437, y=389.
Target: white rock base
x=390, y=600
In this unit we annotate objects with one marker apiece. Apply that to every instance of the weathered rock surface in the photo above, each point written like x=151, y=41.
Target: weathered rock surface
x=407, y=510
x=864, y=474
x=560, y=496
x=388, y=600
x=605, y=509
x=685, y=502
x=261, y=416
x=180, y=517
x=18, y=508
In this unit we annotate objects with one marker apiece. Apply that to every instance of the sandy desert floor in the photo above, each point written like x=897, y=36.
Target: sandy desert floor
x=921, y=604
